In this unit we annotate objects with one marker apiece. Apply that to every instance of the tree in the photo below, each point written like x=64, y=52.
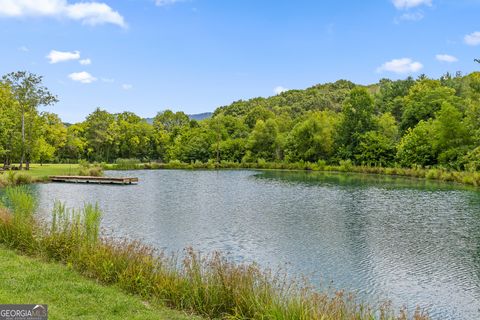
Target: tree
x=101, y=135
x=171, y=122
x=167, y=126
x=30, y=94
x=134, y=136
x=43, y=151
x=312, y=139
x=75, y=144
x=424, y=99
x=390, y=95
x=233, y=149
x=258, y=113
x=53, y=131
x=9, y=123
x=378, y=147
x=375, y=149
x=193, y=144
x=387, y=126
x=357, y=119
x=417, y=147
x=263, y=141
x=452, y=138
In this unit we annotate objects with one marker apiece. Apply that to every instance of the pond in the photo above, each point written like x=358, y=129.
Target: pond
x=409, y=241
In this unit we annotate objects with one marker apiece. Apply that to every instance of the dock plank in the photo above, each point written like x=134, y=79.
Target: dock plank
x=94, y=180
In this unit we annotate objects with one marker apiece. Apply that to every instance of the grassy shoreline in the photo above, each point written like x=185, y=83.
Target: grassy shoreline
x=69, y=295
x=207, y=285
x=40, y=174
x=437, y=174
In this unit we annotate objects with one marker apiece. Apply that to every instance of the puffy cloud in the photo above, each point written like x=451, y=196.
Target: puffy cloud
x=91, y=13
x=279, y=89
x=82, y=77
x=85, y=62
x=404, y=65
x=127, y=86
x=473, y=39
x=446, y=58
x=407, y=4
x=60, y=56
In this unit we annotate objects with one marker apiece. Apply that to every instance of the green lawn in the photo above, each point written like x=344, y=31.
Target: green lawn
x=68, y=295
x=46, y=170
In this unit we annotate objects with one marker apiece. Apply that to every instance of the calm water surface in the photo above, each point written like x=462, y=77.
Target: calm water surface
x=409, y=241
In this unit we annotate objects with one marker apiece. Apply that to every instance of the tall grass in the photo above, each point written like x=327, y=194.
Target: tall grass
x=90, y=169
x=18, y=229
x=209, y=285
x=127, y=164
x=15, y=178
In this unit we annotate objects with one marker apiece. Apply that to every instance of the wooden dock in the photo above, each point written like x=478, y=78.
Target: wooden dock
x=94, y=180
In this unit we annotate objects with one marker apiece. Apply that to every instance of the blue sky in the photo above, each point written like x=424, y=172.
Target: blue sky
x=195, y=55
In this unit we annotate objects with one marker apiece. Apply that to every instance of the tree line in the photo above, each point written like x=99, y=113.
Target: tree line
x=419, y=122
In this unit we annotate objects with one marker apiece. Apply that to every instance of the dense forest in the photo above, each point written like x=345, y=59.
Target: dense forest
x=409, y=123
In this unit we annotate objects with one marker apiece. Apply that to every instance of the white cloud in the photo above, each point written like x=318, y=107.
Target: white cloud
x=446, y=58
x=407, y=4
x=404, y=65
x=23, y=49
x=85, y=62
x=93, y=13
x=90, y=13
x=412, y=16
x=127, y=86
x=60, y=56
x=82, y=77
x=473, y=39
x=161, y=3
x=279, y=89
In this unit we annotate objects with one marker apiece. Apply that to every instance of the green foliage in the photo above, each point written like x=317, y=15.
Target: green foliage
x=471, y=161
x=263, y=142
x=452, y=138
x=127, y=164
x=29, y=94
x=357, y=119
x=390, y=96
x=313, y=138
x=20, y=201
x=14, y=178
x=375, y=149
x=100, y=132
x=409, y=123
x=424, y=99
x=417, y=147
x=17, y=229
x=88, y=169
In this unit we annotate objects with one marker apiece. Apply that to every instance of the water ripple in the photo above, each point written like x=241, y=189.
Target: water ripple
x=410, y=241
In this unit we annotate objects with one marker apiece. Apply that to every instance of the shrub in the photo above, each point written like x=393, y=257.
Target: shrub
x=346, y=165
x=88, y=169
x=21, y=178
